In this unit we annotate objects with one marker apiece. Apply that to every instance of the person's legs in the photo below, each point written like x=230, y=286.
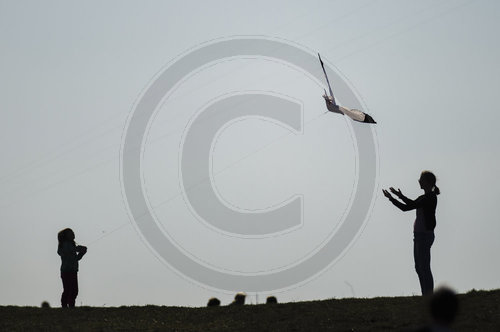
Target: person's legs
x=66, y=289
x=426, y=265
x=416, y=258
x=73, y=289
x=70, y=289
x=422, y=255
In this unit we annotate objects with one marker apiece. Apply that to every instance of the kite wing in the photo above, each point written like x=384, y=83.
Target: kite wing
x=327, y=80
x=332, y=106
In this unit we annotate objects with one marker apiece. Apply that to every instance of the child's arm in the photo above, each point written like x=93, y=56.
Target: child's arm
x=81, y=250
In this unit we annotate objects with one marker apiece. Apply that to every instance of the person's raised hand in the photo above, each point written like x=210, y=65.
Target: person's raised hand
x=81, y=249
x=387, y=194
x=396, y=192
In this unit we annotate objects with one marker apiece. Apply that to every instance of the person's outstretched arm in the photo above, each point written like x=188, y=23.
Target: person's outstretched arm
x=411, y=205
x=400, y=195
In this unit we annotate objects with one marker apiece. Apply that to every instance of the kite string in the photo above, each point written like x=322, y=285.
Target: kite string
x=23, y=169
x=342, y=58
x=32, y=193
x=58, y=155
x=193, y=186
x=37, y=162
x=409, y=28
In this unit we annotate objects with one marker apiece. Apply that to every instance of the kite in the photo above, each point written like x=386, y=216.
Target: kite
x=332, y=106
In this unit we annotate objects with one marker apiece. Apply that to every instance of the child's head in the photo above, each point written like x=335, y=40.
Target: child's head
x=428, y=182
x=66, y=234
x=213, y=302
x=239, y=298
x=271, y=300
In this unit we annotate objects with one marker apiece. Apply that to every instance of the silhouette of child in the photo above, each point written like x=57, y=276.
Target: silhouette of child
x=423, y=228
x=70, y=255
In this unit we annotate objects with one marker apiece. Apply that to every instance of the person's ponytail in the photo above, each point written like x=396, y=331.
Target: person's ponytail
x=436, y=190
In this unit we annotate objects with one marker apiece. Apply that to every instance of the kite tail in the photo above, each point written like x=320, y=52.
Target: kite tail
x=369, y=119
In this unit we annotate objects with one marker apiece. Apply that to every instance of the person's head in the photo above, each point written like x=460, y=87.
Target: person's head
x=444, y=306
x=239, y=298
x=428, y=182
x=66, y=234
x=271, y=300
x=213, y=302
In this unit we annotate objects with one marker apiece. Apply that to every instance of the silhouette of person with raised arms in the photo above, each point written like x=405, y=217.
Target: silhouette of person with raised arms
x=70, y=255
x=423, y=228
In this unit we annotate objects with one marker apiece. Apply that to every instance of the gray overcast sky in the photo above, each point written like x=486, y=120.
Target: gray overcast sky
x=427, y=71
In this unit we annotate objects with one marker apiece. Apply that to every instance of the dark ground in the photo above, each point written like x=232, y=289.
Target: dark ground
x=479, y=311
